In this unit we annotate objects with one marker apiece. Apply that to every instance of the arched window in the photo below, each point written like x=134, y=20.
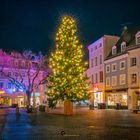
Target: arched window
x=123, y=46
x=114, y=50
x=137, y=36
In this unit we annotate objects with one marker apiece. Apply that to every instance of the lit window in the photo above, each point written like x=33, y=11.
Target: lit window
x=114, y=67
x=114, y=80
x=122, y=79
x=123, y=46
x=133, y=78
x=107, y=68
x=133, y=61
x=122, y=65
x=114, y=50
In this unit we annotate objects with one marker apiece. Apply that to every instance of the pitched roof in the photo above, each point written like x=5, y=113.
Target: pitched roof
x=127, y=36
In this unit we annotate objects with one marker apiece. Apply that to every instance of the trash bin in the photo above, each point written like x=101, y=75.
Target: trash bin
x=29, y=109
x=91, y=107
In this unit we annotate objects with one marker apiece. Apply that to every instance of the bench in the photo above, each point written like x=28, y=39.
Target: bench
x=136, y=111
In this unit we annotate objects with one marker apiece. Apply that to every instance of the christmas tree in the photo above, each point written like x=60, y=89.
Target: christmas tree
x=67, y=81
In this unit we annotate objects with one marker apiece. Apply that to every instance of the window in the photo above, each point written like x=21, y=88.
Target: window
x=1, y=84
x=96, y=62
x=9, y=73
x=123, y=46
x=138, y=40
x=122, y=79
x=96, y=78
x=100, y=45
x=95, y=47
x=114, y=67
x=107, y=68
x=114, y=80
x=92, y=79
x=133, y=61
x=108, y=81
x=9, y=85
x=122, y=65
x=100, y=59
x=137, y=36
x=91, y=49
x=16, y=63
x=114, y=50
x=92, y=62
x=101, y=76
x=133, y=78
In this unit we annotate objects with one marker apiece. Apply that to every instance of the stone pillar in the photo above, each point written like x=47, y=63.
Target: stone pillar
x=68, y=107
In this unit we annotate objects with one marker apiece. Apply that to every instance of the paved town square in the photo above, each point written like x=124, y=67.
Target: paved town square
x=85, y=124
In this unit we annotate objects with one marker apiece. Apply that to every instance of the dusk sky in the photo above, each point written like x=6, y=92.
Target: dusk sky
x=32, y=24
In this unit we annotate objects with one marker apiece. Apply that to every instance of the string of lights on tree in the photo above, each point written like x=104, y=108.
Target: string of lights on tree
x=67, y=80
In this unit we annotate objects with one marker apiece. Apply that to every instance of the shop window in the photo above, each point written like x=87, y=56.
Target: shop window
x=107, y=68
x=122, y=79
x=133, y=61
x=114, y=67
x=122, y=65
x=133, y=78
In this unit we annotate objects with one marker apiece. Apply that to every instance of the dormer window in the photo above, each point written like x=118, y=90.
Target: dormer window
x=114, y=50
x=123, y=46
x=137, y=37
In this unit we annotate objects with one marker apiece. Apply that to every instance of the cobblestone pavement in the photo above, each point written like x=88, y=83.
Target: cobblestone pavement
x=85, y=124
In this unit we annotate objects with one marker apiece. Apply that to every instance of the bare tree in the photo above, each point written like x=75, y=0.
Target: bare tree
x=28, y=74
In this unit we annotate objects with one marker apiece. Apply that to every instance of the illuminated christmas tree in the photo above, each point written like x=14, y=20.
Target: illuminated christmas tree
x=67, y=81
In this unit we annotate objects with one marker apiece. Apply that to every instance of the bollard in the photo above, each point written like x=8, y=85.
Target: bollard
x=17, y=111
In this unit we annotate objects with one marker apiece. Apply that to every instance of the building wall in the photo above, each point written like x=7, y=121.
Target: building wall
x=98, y=50
x=134, y=87
x=13, y=64
x=119, y=71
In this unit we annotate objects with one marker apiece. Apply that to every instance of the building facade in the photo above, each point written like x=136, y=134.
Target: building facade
x=122, y=85
x=98, y=51
x=15, y=66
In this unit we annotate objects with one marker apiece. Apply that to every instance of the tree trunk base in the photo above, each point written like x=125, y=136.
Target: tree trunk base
x=68, y=107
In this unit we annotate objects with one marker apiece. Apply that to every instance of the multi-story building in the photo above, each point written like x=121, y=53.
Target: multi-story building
x=14, y=66
x=121, y=69
x=98, y=51
x=134, y=72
